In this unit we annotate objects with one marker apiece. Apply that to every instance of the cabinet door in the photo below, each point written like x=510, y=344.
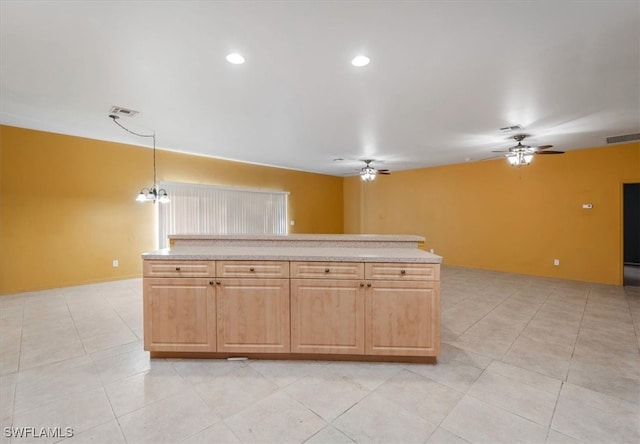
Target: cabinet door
x=253, y=315
x=327, y=316
x=402, y=318
x=179, y=315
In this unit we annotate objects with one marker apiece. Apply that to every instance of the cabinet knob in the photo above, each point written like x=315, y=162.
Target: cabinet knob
x=177, y=268
x=210, y=282
x=368, y=284
x=362, y=284
x=403, y=271
x=252, y=269
x=326, y=270
x=217, y=282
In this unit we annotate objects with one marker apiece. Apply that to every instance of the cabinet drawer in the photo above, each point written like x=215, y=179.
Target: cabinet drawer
x=249, y=269
x=327, y=270
x=403, y=271
x=179, y=269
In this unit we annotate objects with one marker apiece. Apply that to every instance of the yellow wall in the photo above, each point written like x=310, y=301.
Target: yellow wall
x=493, y=216
x=67, y=205
x=67, y=208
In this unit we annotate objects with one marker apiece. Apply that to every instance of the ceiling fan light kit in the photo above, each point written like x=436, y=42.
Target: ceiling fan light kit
x=369, y=173
x=519, y=159
x=521, y=155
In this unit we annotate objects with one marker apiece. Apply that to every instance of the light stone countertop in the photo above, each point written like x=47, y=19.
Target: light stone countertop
x=320, y=254
x=297, y=240
x=296, y=237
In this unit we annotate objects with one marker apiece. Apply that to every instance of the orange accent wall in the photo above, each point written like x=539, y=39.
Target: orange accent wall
x=67, y=208
x=67, y=204
x=493, y=216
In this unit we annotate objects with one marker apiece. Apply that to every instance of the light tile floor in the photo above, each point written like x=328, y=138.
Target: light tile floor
x=524, y=359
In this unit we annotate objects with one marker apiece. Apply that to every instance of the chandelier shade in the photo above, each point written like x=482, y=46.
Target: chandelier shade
x=520, y=158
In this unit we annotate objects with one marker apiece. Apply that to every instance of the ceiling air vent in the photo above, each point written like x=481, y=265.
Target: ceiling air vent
x=623, y=138
x=123, y=112
x=507, y=129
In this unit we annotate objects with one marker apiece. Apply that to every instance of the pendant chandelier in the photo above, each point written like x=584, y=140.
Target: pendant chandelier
x=153, y=194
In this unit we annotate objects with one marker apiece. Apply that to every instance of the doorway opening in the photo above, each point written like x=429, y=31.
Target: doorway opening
x=631, y=234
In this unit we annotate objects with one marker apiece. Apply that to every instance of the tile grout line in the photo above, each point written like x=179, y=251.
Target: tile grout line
x=553, y=414
x=118, y=314
x=17, y=373
x=633, y=321
x=93, y=364
x=563, y=382
x=485, y=315
x=527, y=325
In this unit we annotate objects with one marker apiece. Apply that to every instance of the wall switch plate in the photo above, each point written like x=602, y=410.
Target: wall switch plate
x=292, y=222
x=556, y=262
x=115, y=263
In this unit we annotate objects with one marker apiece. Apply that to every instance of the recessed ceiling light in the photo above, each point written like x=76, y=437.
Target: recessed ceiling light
x=235, y=58
x=360, y=61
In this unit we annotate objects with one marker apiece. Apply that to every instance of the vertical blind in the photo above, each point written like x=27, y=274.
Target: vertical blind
x=207, y=209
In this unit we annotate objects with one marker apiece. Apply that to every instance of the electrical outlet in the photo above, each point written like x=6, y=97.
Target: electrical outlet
x=431, y=251
x=115, y=263
x=292, y=222
x=556, y=262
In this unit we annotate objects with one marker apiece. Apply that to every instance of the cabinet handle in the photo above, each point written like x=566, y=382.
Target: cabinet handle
x=403, y=271
x=252, y=269
x=368, y=284
x=177, y=268
x=326, y=270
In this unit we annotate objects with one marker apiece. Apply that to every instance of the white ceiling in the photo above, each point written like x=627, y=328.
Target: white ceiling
x=443, y=78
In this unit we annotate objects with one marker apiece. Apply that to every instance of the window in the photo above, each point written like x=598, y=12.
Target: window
x=206, y=209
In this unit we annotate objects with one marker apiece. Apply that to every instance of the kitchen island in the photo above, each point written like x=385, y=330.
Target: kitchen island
x=356, y=297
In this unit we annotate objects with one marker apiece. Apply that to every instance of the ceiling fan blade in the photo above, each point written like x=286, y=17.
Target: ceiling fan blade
x=542, y=147
x=549, y=152
x=501, y=151
x=385, y=171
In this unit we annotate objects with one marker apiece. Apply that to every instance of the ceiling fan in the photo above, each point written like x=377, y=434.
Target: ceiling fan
x=520, y=154
x=369, y=173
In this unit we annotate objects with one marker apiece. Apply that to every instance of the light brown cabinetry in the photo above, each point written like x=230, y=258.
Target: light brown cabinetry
x=281, y=307
x=252, y=311
x=327, y=270
x=179, y=314
x=404, y=271
x=252, y=269
x=388, y=309
x=327, y=307
x=179, y=269
x=402, y=306
x=327, y=316
x=402, y=318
